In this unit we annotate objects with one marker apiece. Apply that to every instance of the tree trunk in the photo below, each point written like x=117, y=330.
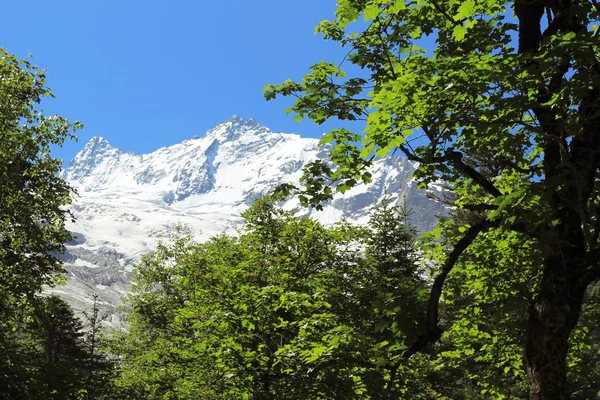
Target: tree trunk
x=552, y=317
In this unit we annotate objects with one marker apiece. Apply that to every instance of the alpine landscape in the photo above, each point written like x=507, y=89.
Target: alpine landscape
x=408, y=207
x=128, y=202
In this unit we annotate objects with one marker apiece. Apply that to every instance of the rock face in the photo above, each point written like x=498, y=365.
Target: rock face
x=128, y=202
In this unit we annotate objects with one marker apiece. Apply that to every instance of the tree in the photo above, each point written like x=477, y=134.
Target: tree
x=63, y=354
x=20, y=361
x=505, y=109
x=44, y=355
x=98, y=366
x=32, y=209
x=289, y=309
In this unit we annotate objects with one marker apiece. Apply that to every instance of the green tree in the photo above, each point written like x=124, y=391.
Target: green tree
x=20, y=361
x=63, y=355
x=504, y=108
x=32, y=211
x=45, y=355
x=98, y=367
x=289, y=309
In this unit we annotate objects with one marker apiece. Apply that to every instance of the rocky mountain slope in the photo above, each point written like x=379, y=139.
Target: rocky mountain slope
x=128, y=202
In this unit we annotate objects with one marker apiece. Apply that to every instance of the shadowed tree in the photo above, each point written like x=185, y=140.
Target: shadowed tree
x=505, y=108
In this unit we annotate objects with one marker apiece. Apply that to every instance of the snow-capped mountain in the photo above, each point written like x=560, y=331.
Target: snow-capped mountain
x=128, y=202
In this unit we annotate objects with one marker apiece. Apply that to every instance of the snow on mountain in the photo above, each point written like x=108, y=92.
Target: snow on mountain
x=128, y=202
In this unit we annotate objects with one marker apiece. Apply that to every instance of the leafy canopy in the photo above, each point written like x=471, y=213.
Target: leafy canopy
x=33, y=200
x=289, y=309
x=499, y=100
x=32, y=195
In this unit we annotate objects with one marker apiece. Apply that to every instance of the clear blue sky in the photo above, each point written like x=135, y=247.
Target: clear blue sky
x=146, y=74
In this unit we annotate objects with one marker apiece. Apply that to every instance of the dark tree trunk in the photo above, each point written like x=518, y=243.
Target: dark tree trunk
x=554, y=313
x=552, y=317
x=568, y=191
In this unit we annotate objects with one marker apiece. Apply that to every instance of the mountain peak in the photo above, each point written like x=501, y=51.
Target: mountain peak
x=93, y=153
x=97, y=139
x=234, y=118
x=96, y=144
x=236, y=126
x=94, y=148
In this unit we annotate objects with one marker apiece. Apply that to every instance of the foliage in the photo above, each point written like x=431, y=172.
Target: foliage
x=32, y=212
x=32, y=236
x=62, y=358
x=289, y=309
x=99, y=366
x=45, y=355
x=503, y=108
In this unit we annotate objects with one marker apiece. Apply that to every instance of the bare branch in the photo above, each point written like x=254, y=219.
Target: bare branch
x=553, y=25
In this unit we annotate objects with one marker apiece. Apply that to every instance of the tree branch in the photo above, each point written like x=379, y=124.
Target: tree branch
x=455, y=158
x=529, y=14
x=410, y=155
x=445, y=14
x=592, y=275
x=433, y=332
x=553, y=26
x=590, y=267
x=387, y=53
x=480, y=207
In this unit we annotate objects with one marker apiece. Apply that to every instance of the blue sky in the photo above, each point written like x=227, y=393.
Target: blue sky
x=146, y=74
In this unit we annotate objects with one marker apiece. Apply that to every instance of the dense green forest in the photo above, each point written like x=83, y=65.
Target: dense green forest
x=500, y=301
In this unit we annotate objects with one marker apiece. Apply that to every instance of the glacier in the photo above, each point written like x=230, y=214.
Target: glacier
x=129, y=202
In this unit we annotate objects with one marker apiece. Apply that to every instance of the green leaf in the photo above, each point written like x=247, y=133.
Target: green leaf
x=459, y=33
x=397, y=6
x=371, y=11
x=465, y=10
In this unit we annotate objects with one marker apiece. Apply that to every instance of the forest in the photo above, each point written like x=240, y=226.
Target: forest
x=499, y=301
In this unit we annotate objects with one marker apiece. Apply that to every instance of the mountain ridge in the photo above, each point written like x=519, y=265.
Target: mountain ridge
x=128, y=202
